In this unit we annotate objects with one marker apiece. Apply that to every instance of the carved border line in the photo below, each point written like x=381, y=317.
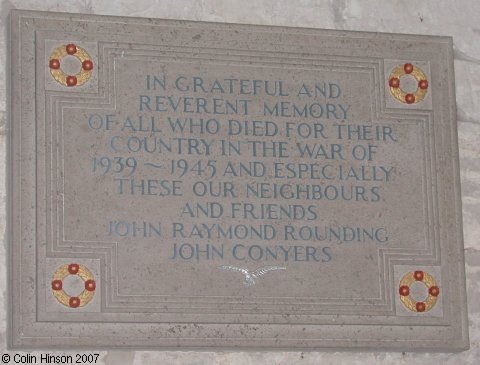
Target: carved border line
x=427, y=241
x=33, y=336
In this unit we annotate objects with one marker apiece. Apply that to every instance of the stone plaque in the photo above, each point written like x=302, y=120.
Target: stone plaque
x=180, y=184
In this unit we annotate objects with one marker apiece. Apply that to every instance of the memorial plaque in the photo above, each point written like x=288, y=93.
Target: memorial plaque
x=180, y=184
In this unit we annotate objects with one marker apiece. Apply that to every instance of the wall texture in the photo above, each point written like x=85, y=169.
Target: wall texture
x=457, y=18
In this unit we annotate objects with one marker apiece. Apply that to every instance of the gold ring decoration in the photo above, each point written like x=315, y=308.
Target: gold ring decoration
x=398, y=93
x=85, y=296
x=80, y=54
x=404, y=291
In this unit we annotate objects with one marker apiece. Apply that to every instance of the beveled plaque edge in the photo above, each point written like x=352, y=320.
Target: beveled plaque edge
x=14, y=123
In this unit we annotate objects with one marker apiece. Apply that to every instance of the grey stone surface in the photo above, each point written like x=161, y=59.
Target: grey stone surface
x=429, y=18
x=161, y=187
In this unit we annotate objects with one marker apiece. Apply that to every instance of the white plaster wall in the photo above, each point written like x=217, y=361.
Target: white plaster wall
x=458, y=18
